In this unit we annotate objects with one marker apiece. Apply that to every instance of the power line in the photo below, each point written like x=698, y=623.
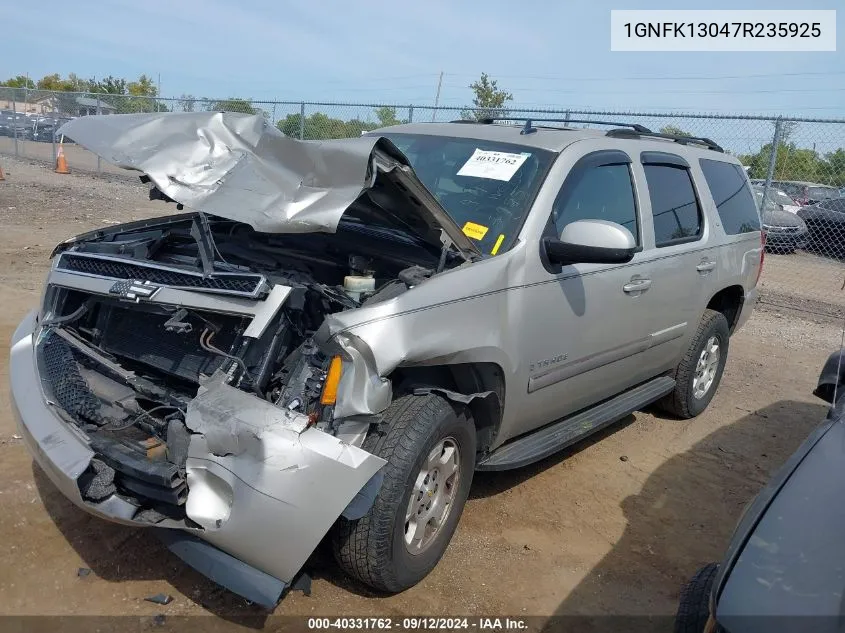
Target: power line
x=662, y=77
x=659, y=92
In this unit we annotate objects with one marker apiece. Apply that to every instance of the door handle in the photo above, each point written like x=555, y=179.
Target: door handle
x=637, y=285
x=706, y=266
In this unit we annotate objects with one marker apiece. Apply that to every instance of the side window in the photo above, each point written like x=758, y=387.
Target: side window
x=677, y=216
x=732, y=196
x=597, y=192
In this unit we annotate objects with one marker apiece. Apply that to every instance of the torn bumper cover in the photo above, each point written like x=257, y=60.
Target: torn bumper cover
x=263, y=486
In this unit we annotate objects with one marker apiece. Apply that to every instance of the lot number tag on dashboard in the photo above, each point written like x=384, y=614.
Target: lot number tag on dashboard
x=493, y=165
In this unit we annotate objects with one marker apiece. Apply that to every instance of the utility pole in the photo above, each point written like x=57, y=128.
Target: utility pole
x=158, y=92
x=437, y=97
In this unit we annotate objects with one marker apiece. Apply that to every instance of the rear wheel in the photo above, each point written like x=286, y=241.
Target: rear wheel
x=698, y=374
x=429, y=445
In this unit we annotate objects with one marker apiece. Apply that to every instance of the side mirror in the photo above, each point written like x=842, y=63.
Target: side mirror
x=591, y=242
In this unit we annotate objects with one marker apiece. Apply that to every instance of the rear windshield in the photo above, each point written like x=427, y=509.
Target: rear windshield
x=729, y=187
x=486, y=187
x=773, y=195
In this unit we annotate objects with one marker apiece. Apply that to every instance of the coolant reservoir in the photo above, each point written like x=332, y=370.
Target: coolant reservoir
x=356, y=285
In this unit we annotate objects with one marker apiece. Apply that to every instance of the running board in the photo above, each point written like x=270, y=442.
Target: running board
x=558, y=435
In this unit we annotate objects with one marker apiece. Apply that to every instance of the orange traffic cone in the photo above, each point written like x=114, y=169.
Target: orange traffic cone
x=61, y=162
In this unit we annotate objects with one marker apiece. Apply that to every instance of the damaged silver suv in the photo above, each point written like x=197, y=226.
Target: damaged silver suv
x=340, y=333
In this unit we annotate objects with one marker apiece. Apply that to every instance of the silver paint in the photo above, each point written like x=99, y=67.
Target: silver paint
x=268, y=485
x=241, y=167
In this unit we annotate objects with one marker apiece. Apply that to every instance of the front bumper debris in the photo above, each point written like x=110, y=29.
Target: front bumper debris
x=263, y=486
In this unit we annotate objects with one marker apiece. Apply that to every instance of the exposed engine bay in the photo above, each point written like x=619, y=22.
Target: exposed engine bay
x=125, y=367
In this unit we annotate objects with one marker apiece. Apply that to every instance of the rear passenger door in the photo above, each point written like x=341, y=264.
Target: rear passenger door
x=681, y=260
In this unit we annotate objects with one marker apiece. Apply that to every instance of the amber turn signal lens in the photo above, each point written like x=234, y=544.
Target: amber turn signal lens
x=332, y=380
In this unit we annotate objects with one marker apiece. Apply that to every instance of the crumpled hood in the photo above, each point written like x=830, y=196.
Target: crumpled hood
x=240, y=167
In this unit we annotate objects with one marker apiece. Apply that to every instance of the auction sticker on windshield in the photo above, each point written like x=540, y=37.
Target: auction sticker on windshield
x=493, y=165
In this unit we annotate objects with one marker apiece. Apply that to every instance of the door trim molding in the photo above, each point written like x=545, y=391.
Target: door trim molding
x=605, y=357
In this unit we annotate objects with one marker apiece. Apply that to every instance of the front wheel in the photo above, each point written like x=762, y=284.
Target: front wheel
x=693, y=614
x=429, y=445
x=698, y=374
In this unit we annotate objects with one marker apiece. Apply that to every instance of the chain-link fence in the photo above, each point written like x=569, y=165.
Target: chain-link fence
x=797, y=165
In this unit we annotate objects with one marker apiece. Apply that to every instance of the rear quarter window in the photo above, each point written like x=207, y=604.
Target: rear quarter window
x=730, y=191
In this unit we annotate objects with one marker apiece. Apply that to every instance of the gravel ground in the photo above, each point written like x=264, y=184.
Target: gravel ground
x=613, y=526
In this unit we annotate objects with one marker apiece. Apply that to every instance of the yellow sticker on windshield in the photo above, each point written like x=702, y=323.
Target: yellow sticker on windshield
x=498, y=244
x=475, y=231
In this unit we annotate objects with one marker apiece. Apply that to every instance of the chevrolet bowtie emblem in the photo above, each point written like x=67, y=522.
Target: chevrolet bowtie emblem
x=134, y=290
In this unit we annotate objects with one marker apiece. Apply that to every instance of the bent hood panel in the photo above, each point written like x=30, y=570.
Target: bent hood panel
x=240, y=167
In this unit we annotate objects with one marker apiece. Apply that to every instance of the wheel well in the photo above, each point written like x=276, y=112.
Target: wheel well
x=728, y=301
x=462, y=379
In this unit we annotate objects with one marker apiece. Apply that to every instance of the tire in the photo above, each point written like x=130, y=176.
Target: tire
x=373, y=549
x=684, y=402
x=694, y=605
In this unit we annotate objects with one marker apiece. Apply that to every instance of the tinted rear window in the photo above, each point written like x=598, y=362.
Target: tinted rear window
x=733, y=199
x=677, y=218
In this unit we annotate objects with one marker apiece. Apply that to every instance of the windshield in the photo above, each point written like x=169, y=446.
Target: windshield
x=770, y=204
x=779, y=198
x=485, y=186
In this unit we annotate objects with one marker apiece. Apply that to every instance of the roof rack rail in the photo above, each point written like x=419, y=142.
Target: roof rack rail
x=528, y=128
x=683, y=140
x=622, y=129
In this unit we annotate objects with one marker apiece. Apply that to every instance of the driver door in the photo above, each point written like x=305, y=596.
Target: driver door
x=589, y=325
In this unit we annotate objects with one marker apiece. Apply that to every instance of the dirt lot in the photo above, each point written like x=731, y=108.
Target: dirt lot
x=614, y=526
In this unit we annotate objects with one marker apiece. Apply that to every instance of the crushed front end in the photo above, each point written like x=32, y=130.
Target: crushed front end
x=153, y=394
x=184, y=372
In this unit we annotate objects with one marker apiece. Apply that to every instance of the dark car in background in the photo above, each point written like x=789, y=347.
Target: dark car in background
x=10, y=120
x=6, y=122
x=785, y=231
x=44, y=129
x=784, y=570
x=806, y=193
x=825, y=222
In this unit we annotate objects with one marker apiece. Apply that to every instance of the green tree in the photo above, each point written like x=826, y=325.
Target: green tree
x=387, y=116
x=791, y=163
x=55, y=83
x=489, y=100
x=674, y=130
x=143, y=87
x=109, y=85
x=232, y=105
x=834, y=168
x=21, y=81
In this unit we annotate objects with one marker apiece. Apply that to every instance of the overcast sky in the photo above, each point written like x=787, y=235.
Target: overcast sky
x=546, y=53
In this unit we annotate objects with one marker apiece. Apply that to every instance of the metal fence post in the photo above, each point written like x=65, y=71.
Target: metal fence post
x=55, y=152
x=302, y=121
x=772, y=160
x=566, y=116
x=411, y=114
x=99, y=111
x=15, y=121
x=25, y=103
